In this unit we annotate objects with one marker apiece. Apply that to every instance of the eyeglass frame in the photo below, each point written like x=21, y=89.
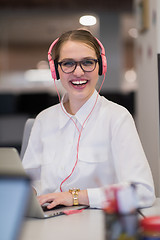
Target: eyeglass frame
x=78, y=63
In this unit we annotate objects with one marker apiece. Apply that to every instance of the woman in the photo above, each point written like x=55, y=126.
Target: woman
x=85, y=142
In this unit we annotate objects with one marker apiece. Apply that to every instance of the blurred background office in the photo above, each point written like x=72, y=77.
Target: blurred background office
x=130, y=33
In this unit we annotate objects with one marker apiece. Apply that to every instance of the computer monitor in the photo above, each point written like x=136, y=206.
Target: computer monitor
x=14, y=197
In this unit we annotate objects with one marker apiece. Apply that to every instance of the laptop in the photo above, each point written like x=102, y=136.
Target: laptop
x=14, y=191
x=10, y=162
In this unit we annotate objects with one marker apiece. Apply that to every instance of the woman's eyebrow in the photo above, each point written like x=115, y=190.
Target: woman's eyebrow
x=67, y=59
x=71, y=59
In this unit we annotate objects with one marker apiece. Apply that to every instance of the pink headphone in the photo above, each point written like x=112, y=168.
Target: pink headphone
x=54, y=65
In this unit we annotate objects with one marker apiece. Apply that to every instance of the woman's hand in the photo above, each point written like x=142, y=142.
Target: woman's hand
x=63, y=198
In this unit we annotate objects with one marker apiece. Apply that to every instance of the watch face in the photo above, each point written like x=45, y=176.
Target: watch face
x=74, y=192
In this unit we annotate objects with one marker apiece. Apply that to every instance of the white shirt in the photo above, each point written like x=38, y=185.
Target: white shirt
x=110, y=151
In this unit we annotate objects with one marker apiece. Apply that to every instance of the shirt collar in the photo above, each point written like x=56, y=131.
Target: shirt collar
x=81, y=115
x=84, y=112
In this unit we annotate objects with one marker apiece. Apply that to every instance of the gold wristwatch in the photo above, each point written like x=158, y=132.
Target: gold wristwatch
x=74, y=192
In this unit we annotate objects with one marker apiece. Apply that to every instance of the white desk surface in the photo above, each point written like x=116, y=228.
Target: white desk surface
x=85, y=225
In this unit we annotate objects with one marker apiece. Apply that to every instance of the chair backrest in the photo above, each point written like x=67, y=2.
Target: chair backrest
x=26, y=134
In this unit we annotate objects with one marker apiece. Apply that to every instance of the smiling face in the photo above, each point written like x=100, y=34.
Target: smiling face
x=80, y=85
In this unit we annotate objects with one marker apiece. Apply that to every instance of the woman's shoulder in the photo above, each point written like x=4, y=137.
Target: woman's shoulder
x=49, y=112
x=114, y=112
x=111, y=106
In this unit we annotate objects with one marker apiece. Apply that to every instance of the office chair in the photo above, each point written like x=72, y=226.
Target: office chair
x=26, y=134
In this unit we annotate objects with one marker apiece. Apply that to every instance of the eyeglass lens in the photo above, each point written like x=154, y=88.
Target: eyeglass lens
x=87, y=65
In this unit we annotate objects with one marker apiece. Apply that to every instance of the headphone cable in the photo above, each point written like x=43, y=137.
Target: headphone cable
x=80, y=131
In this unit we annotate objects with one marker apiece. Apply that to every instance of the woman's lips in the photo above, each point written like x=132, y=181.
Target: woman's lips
x=79, y=82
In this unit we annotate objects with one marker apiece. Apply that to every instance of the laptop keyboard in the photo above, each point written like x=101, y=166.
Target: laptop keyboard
x=44, y=207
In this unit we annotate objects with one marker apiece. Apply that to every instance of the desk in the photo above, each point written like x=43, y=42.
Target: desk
x=87, y=225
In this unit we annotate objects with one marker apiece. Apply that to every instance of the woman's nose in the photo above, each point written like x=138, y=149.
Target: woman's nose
x=78, y=71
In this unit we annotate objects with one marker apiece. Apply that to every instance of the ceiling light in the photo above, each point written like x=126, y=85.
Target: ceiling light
x=38, y=75
x=130, y=76
x=42, y=65
x=88, y=20
x=133, y=32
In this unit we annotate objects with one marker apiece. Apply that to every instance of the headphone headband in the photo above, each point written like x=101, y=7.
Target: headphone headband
x=54, y=66
x=50, y=48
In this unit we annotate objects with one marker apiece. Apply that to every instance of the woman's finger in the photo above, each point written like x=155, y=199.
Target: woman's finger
x=46, y=198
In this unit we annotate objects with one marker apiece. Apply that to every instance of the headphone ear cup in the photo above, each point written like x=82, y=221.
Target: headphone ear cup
x=52, y=68
x=100, y=65
x=56, y=69
x=104, y=64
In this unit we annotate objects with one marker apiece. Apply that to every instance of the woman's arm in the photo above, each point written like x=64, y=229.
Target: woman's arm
x=63, y=198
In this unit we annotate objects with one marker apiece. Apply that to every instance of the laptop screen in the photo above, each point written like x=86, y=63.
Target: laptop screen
x=14, y=197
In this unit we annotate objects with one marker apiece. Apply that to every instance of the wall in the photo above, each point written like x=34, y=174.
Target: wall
x=111, y=39
x=147, y=94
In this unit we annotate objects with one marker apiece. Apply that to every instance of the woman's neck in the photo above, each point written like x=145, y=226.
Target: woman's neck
x=73, y=107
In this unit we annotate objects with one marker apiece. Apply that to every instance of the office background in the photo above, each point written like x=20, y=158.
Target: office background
x=27, y=28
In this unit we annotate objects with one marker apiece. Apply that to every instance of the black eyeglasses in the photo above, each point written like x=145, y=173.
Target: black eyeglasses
x=69, y=66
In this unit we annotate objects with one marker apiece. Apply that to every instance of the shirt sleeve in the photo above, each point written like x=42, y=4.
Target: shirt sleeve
x=130, y=163
x=96, y=197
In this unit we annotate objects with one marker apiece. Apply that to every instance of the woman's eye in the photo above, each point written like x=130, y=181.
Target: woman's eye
x=68, y=64
x=88, y=62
